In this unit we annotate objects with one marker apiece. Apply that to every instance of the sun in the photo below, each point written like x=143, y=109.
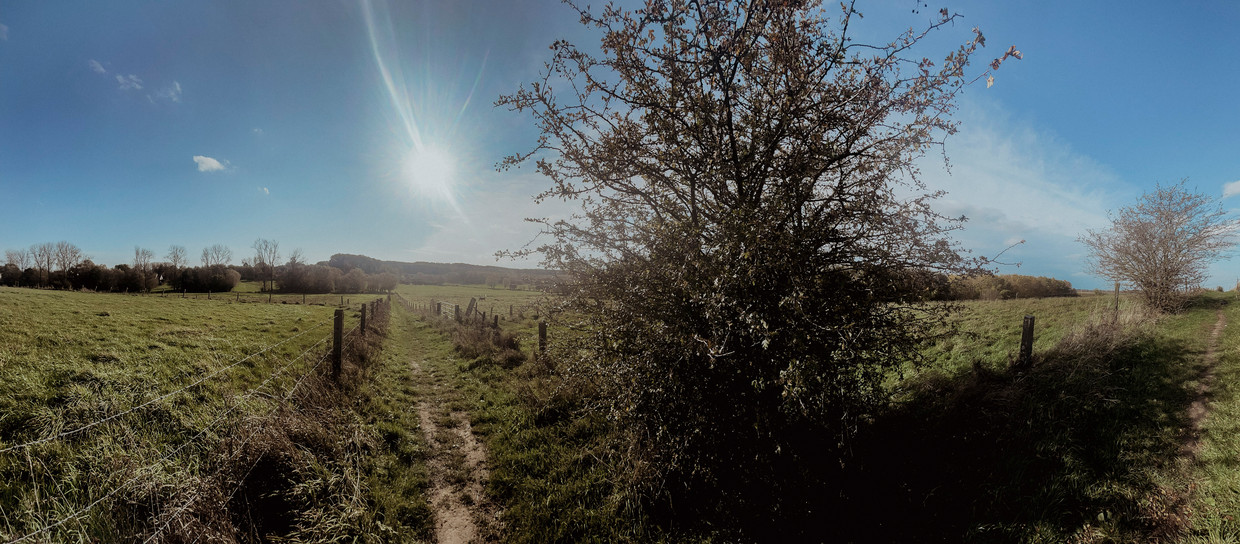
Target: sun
x=431, y=173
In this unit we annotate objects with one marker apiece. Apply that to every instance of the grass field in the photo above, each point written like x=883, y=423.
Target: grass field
x=1086, y=447
x=130, y=395
x=1094, y=444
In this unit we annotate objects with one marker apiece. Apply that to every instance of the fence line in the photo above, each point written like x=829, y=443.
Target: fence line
x=350, y=337
x=149, y=469
x=157, y=399
x=251, y=393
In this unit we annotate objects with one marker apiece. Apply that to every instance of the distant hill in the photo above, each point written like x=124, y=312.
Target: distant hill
x=434, y=273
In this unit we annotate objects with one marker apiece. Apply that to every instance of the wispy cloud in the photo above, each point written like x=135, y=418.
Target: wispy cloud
x=1231, y=189
x=129, y=83
x=4, y=33
x=96, y=67
x=258, y=131
x=264, y=190
x=1016, y=183
x=208, y=164
x=171, y=92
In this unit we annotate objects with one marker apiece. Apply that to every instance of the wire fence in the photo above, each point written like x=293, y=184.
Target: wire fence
x=235, y=402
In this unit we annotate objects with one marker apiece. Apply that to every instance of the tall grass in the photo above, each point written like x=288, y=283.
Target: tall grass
x=267, y=447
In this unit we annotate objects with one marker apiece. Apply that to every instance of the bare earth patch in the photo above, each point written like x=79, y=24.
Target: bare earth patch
x=458, y=473
x=1200, y=409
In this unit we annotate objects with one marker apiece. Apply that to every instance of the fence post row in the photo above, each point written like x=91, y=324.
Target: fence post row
x=337, y=343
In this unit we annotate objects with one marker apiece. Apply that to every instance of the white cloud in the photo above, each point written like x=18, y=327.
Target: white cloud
x=258, y=131
x=129, y=83
x=171, y=92
x=4, y=33
x=1231, y=189
x=96, y=67
x=208, y=164
x=264, y=190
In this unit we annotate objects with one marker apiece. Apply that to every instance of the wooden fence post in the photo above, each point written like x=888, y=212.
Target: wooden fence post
x=1026, y=343
x=496, y=320
x=1116, y=301
x=268, y=297
x=337, y=343
x=542, y=336
x=458, y=312
x=363, y=321
x=438, y=309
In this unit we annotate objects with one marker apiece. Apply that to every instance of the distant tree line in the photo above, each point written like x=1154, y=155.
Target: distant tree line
x=935, y=286
x=63, y=265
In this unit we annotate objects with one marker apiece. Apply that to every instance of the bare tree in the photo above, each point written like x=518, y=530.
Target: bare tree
x=296, y=258
x=42, y=255
x=18, y=257
x=266, y=256
x=66, y=255
x=176, y=257
x=750, y=220
x=142, y=258
x=1163, y=244
x=216, y=254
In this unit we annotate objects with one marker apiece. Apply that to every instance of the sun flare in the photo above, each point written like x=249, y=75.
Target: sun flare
x=430, y=172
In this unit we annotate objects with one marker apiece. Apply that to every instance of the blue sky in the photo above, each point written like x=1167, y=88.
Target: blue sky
x=158, y=123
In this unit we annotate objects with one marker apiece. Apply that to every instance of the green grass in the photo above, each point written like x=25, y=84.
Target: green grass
x=396, y=471
x=1215, y=475
x=547, y=464
x=526, y=306
x=68, y=359
x=989, y=330
x=1085, y=447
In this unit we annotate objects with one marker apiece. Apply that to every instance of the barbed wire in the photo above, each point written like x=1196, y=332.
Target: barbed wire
x=148, y=469
x=245, y=442
x=92, y=424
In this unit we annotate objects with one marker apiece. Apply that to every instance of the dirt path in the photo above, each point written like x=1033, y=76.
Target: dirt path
x=1200, y=407
x=457, y=467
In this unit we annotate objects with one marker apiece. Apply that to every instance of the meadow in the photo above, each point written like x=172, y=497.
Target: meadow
x=114, y=409
x=1095, y=443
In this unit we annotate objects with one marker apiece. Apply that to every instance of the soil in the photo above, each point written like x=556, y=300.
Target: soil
x=1199, y=410
x=458, y=473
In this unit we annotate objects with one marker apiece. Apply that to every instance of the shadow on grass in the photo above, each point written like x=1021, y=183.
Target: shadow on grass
x=1072, y=449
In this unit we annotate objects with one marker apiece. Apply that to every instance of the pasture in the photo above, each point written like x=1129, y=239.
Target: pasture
x=112, y=405
x=115, y=409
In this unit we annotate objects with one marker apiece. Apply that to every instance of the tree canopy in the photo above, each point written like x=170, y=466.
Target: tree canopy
x=1163, y=244
x=749, y=215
